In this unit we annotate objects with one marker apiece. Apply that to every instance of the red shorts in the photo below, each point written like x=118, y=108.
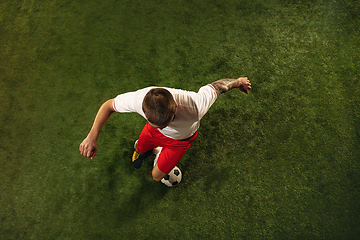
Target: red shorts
x=172, y=151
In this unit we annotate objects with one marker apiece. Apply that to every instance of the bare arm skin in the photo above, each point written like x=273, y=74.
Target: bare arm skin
x=88, y=146
x=225, y=85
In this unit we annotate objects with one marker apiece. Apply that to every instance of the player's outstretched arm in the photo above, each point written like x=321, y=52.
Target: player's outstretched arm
x=225, y=85
x=88, y=146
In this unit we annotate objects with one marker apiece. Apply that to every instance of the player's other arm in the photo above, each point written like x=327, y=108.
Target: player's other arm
x=225, y=85
x=88, y=146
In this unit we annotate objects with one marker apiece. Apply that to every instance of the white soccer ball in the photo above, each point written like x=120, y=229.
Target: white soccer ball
x=173, y=178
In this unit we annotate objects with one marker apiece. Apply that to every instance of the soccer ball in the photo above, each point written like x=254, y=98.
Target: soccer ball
x=173, y=178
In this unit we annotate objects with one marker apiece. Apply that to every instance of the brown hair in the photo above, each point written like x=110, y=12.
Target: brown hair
x=159, y=106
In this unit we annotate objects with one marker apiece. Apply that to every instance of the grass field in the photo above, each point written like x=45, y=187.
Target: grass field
x=280, y=163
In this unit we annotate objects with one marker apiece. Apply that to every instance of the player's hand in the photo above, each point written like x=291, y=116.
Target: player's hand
x=244, y=84
x=88, y=148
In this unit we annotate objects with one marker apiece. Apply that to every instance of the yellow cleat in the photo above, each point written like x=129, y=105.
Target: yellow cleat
x=137, y=158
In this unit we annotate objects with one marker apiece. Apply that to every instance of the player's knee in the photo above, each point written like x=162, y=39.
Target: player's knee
x=156, y=178
x=157, y=174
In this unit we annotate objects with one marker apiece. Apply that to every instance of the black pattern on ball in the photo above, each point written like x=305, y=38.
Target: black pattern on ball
x=173, y=178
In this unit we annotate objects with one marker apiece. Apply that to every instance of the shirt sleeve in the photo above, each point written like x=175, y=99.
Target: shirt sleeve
x=131, y=101
x=204, y=99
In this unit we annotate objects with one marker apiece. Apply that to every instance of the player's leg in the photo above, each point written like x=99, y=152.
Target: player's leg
x=143, y=147
x=138, y=157
x=168, y=156
x=157, y=174
x=166, y=159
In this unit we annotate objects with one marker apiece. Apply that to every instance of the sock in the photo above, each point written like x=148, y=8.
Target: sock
x=157, y=152
x=135, y=144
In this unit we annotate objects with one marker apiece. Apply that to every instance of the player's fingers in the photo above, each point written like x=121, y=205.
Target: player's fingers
x=93, y=153
x=247, y=85
x=89, y=153
x=82, y=151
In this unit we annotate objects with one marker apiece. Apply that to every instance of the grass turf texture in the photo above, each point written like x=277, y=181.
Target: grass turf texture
x=280, y=163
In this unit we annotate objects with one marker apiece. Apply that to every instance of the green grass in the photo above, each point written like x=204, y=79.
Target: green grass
x=280, y=163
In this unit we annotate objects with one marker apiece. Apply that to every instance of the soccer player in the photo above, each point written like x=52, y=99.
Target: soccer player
x=173, y=118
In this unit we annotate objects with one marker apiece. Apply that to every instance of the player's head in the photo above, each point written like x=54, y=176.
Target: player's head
x=159, y=107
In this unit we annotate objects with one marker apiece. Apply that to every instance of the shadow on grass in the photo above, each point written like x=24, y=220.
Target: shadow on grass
x=139, y=194
x=143, y=198
x=211, y=157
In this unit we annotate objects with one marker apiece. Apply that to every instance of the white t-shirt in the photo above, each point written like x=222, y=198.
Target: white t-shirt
x=191, y=108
